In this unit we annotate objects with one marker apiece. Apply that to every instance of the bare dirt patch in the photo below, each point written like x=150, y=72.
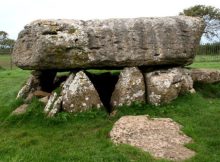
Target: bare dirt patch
x=161, y=137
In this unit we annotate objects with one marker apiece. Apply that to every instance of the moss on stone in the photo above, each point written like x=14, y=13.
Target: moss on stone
x=71, y=30
x=79, y=57
x=58, y=90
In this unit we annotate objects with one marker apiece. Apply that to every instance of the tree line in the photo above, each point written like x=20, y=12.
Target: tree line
x=6, y=44
x=209, y=49
x=211, y=17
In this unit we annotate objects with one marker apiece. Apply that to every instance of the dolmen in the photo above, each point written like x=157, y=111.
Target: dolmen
x=143, y=60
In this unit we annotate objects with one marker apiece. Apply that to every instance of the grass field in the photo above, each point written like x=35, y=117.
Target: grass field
x=84, y=136
x=205, y=61
x=208, y=65
x=5, y=62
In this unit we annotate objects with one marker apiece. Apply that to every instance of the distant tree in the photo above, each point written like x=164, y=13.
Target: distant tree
x=3, y=35
x=5, y=42
x=211, y=17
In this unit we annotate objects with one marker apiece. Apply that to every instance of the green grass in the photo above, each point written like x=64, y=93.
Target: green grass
x=207, y=58
x=85, y=136
x=206, y=61
x=208, y=65
x=5, y=62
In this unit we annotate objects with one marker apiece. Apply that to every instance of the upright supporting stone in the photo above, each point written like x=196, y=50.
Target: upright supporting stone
x=129, y=88
x=67, y=83
x=38, y=81
x=80, y=95
x=56, y=107
x=32, y=84
x=50, y=102
x=164, y=86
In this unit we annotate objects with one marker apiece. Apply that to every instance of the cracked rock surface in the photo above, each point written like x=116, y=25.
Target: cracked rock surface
x=129, y=88
x=163, y=86
x=67, y=44
x=80, y=94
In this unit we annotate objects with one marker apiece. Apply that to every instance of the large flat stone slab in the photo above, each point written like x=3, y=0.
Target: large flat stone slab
x=68, y=44
x=161, y=137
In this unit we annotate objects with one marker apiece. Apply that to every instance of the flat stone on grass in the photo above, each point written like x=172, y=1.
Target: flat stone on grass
x=20, y=110
x=161, y=137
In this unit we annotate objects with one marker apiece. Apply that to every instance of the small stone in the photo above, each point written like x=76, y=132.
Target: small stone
x=29, y=97
x=20, y=110
x=41, y=93
x=192, y=91
x=50, y=102
x=56, y=107
x=44, y=99
x=113, y=113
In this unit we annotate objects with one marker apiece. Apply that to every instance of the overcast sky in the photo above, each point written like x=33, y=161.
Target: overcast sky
x=15, y=14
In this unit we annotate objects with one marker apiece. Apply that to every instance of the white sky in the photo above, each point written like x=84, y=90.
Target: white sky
x=15, y=14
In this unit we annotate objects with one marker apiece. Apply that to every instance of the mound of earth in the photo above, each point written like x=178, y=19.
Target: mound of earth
x=161, y=137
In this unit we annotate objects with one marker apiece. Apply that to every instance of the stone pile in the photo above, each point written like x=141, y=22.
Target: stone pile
x=151, y=52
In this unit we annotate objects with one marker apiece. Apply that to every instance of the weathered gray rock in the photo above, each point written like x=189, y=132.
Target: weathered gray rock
x=28, y=98
x=164, y=86
x=38, y=82
x=50, y=102
x=68, y=44
x=56, y=107
x=20, y=110
x=161, y=137
x=32, y=84
x=67, y=83
x=187, y=82
x=129, y=88
x=44, y=99
x=53, y=105
x=205, y=75
x=80, y=95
